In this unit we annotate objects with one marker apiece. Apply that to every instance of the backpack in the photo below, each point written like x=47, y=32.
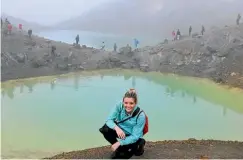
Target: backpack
x=138, y=112
x=146, y=127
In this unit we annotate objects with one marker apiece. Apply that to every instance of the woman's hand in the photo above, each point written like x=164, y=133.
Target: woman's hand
x=120, y=133
x=115, y=146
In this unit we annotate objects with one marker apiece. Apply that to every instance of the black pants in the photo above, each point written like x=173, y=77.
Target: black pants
x=125, y=151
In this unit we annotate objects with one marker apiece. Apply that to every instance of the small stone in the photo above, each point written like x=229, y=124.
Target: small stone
x=233, y=74
x=81, y=67
x=46, y=54
x=191, y=139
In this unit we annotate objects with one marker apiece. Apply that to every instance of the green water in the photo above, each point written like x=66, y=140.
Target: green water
x=42, y=117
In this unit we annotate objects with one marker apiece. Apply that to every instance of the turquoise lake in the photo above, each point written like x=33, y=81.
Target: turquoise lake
x=48, y=115
x=95, y=39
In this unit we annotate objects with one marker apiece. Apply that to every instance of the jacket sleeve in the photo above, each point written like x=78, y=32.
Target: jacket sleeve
x=113, y=116
x=137, y=131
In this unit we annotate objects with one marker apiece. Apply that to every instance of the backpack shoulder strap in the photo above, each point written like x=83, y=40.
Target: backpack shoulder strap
x=139, y=114
x=133, y=115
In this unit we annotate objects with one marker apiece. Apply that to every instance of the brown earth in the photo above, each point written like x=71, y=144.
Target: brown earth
x=188, y=149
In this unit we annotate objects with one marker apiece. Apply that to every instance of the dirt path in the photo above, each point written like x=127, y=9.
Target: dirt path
x=170, y=149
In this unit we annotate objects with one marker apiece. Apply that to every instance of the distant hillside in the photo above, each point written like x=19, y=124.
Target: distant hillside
x=135, y=17
x=26, y=25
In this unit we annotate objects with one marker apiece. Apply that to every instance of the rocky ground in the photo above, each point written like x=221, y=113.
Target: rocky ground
x=169, y=150
x=218, y=55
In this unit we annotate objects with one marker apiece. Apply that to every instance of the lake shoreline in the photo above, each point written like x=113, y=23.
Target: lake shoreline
x=169, y=149
x=25, y=58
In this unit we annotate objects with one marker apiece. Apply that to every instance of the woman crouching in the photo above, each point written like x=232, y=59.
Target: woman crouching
x=125, y=127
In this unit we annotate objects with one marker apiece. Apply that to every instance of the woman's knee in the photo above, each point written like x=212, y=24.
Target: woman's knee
x=105, y=130
x=141, y=141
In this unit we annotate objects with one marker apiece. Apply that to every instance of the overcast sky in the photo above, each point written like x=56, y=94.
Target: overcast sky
x=47, y=12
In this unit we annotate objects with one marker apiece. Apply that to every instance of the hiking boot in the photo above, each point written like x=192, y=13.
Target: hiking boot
x=120, y=155
x=140, y=147
x=114, y=155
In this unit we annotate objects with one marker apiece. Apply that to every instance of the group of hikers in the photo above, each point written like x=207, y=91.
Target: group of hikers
x=136, y=43
x=177, y=35
x=77, y=42
x=8, y=27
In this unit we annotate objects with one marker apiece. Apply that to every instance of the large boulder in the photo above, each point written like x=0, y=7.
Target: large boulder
x=144, y=67
x=63, y=66
x=240, y=46
x=20, y=57
x=236, y=40
x=126, y=51
x=30, y=43
x=110, y=62
x=225, y=52
x=48, y=58
x=58, y=60
x=211, y=50
x=37, y=62
x=77, y=46
x=77, y=65
x=61, y=63
x=128, y=65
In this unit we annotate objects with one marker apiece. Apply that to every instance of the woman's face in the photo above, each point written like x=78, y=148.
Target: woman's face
x=129, y=104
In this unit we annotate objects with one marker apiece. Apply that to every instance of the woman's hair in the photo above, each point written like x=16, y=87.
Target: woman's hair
x=131, y=93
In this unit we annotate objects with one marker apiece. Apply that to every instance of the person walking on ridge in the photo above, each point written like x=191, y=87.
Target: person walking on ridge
x=238, y=19
x=30, y=33
x=77, y=39
x=136, y=42
x=173, y=36
x=103, y=46
x=115, y=47
x=178, y=34
x=10, y=27
x=203, y=30
x=190, y=30
x=20, y=27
